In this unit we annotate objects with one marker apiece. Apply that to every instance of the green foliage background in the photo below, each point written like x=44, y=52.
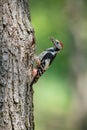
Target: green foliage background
x=53, y=92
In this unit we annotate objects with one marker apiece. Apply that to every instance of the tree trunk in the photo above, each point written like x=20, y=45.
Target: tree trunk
x=16, y=61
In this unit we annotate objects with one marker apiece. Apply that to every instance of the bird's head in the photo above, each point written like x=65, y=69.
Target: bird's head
x=57, y=43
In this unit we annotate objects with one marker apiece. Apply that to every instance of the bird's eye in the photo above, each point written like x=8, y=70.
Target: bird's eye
x=57, y=42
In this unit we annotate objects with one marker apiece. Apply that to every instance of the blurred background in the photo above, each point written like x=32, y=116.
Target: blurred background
x=60, y=95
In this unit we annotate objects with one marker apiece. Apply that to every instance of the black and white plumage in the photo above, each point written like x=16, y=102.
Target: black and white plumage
x=45, y=59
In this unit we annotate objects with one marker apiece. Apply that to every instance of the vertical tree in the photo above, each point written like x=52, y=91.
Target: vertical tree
x=16, y=58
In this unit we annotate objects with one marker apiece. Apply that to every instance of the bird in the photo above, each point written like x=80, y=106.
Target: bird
x=44, y=60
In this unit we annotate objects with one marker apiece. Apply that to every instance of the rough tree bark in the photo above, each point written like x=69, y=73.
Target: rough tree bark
x=16, y=62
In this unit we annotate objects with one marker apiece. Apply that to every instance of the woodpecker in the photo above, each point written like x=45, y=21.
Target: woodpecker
x=45, y=59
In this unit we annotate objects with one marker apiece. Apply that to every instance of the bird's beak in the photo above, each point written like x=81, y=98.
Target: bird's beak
x=52, y=40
